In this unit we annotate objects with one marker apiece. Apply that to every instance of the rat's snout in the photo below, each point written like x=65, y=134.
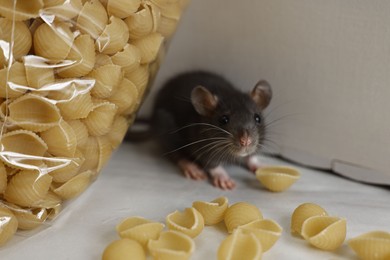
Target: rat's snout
x=245, y=138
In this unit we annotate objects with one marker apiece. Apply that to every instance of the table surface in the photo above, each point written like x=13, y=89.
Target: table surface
x=139, y=182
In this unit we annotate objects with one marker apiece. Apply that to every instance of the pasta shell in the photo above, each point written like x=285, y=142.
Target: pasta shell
x=105, y=150
x=91, y=154
x=114, y=37
x=124, y=249
x=172, y=245
x=52, y=203
x=171, y=10
x=140, y=78
x=324, y=232
x=3, y=178
x=61, y=41
x=60, y=139
x=8, y=225
x=24, y=10
x=74, y=186
x=107, y=78
x=213, y=212
x=240, y=245
x=303, y=212
x=83, y=54
x=62, y=9
x=149, y=46
x=38, y=76
x=103, y=59
x=129, y=59
x=3, y=60
x=13, y=82
x=92, y=18
x=29, y=218
x=65, y=171
x=76, y=106
x=80, y=130
x=100, y=119
x=241, y=213
x=371, y=245
x=139, y=229
x=122, y=8
x=277, y=178
x=126, y=97
x=189, y=222
x=22, y=39
x=167, y=26
x=34, y=113
x=266, y=231
x=118, y=131
x=27, y=188
x=143, y=22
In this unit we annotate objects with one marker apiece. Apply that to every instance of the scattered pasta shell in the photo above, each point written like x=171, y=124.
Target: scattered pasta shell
x=172, y=245
x=65, y=169
x=99, y=120
x=118, y=131
x=139, y=229
x=33, y=112
x=149, y=47
x=107, y=78
x=9, y=225
x=371, y=245
x=277, y=178
x=24, y=10
x=122, y=8
x=126, y=97
x=61, y=41
x=303, y=212
x=114, y=36
x=213, y=212
x=28, y=218
x=124, y=249
x=140, y=78
x=129, y=58
x=240, y=245
x=143, y=22
x=90, y=151
x=80, y=130
x=105, y=150
x=189, y=222
x=27, y=188
x=239, y=214
x=38, y=76
x=14, y=84
x=60, y=139
x=62, y=9
x=92, y=18
x=74, y=186
x=266, y=231
x=324, y=232
x=22, y=39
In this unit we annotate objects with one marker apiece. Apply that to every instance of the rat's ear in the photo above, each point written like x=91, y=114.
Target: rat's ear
x=262, y=94
x=203, y=101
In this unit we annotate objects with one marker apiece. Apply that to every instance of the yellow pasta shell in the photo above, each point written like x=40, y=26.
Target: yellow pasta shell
x=60, y=139
x=171, y=10
x=122, y=8
x=80, y=130
x=107, y=78
x=240, y=245
x=34, y=113
x=303, y=212
x=23, y=10
x=74, y=186
x=172, y=245
x=22, y=39
x=189, y=222
x=114, y=37
x=13, y=82
x=61, y=41
x=124, y=249
x=324, y=232
x=99, y=120
x=3, y=178
x=62, y=9
x=126, y=97
x=9, y=225
x=52, y=203
x=129, y=58
x=139, y=229
x=3, y=60
x=143, y=22
x=277, y=178
x=372, y=245
x=27, y=188
x=167, y=26
x=239, y=214
x=68, y=170
x=149, y=46
x=103, y=59
x=90, y=151
x=92, y=18
x=105, y=150
x=266, y=231
x=29, y=218
x=140, y=78
x=213, y=212
x=118, y=131
x=37, y=76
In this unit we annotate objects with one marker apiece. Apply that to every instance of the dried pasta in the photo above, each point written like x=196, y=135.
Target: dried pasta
x=240, y=245
x=303, y=212
x=24, y=9
x=8, y=225
x=22, y=37
x=61, y=140
x=213, y=212
x=371, y=245
x=241, y=213
x=189, y=222
x=124, y=249
x=277, y=178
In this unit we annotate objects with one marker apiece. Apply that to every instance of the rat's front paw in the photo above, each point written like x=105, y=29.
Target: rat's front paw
x=191, y=170
x=224, y=182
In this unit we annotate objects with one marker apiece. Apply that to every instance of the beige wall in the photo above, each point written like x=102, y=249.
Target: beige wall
x=327, y=60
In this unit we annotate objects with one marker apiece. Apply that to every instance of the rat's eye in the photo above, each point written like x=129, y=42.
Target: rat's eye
x=257, y=118
x=223, y=120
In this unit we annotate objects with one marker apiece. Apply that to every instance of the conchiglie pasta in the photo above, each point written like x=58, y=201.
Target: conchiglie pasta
x=80, y=130
x=90, y=150
x=240, y=245
x=99, y=120
x=23, y=10
x=122, y=8
x=62, y=9
x=107, y=78
x=372, y=245
x=38, y=76
x=124, y=249
x=143, y=22
x=113, y=38
x=22, y=39
x=92, y=18
x=213, y=212
x=13, y=81
x=129, y=58
x=125, y=97
x=239, y=214
x=52, y=203
x=303, y=212
x=167, y=26
x=75, y=106
x=118, y=131
x=9, y=225
x=277, y=178
x=75, y=186
x=28, y=218
x=105, y=150
x=3, y=178
x=149, y=47
x=63, y=172
x=140, y=78
x=189, y=222
x=61, y=140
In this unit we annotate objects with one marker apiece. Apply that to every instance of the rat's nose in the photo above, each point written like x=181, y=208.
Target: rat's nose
x=245, y=139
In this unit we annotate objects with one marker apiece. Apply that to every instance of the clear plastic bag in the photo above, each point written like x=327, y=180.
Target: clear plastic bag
x=72, y=76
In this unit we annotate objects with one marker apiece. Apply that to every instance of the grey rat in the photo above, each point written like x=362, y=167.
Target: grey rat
x=203, y=122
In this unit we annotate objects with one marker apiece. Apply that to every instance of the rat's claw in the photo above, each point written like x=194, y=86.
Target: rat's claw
x=191, y=170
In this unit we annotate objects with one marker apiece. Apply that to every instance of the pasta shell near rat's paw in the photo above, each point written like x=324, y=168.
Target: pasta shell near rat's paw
x=33, y=112
x=142, y=22
x=122, y=8
x=303, y=212
x=139, y=229
x=63, y=169
x=23, y=10
x=80, y=130
x=140, y=78
x=149, y=46
x=38, y=77
x=126, y=97
x=60, y=139
x=118, y=131
x=105, y=151
x=27, y=188
x=189, y=222
x=371, y=245
x=61, y=41
x=99, y=120
x=129, y=58
x=107, y=79
x=172, y=245
x=13, y=81
x=277, y=178
x=82, y=54
x=213, y=212
x=74, y=186
x=240, y=245
x=8, y=225
x=266, y=231
x=124, y=249
x=92, y=18
x=113, y=38
x=62, y=9
x=21, y=37
x=324, y=232
x=28, y=218
x=241, y=213
x=90, y=150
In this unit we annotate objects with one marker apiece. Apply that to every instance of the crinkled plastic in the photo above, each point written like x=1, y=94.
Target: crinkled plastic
x=72, y=76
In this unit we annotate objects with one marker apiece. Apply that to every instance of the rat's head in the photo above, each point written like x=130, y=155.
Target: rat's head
x=236, y=120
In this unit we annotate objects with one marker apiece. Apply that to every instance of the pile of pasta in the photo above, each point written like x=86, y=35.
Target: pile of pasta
x=72, y=75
